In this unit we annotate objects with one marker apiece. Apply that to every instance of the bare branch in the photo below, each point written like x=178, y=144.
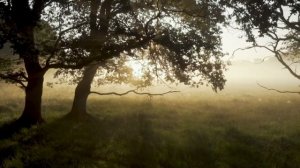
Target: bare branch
x=277, y=53
x=135, y=92
x=252, y=47
x=280, y=59
x=263, y=59
x=279, y=91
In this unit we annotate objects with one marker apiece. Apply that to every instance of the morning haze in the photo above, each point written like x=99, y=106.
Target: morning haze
x=149, y=84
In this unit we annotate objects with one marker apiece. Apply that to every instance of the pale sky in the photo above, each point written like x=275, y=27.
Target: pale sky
x=234, y=39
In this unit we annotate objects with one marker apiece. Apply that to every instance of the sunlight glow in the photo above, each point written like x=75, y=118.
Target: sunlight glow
x=137, y=67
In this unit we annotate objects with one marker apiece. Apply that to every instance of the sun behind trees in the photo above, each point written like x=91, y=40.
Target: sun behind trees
x=182, y=39
x=131, y=28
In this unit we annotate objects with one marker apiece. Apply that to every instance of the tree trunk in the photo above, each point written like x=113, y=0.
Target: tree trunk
x=33, y=99
x=34, y=90
x=83, y=88
x=25, y=19
x=82, y=91
x=35, y=73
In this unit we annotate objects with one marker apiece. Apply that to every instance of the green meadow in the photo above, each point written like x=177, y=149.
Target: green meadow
x=173, y=131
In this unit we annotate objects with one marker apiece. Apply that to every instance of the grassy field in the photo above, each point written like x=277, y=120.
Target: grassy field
x=227, y=131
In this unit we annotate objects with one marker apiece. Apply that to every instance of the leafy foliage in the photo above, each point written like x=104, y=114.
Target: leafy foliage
x=100, y=31
x=109, y=29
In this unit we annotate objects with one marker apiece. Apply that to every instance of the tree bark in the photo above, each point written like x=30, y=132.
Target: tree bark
x=33, y=99
x=35, y=78
x=82, y=91
x=25, y=16
x=83, y=88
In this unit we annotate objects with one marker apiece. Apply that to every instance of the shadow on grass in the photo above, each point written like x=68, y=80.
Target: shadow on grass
x=135, y=140
x=7, y=133
x=7, y=130
x=88, y=142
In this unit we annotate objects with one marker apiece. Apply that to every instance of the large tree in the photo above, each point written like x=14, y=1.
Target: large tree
x=275, y=20
x=179, y=39
x=182, y=39
x=31, y=38
x=18, y=20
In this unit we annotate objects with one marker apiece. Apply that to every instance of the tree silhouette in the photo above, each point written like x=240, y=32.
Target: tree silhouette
x=180, y=40
x=18, y=20
x=36, y=43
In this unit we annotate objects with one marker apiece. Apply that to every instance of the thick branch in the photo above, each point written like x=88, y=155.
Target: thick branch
x=135, y=92
x=60, y=34
x=38, y=7
x=279, y=91
x=153, y=18
x=293, y=25
x=18, y=78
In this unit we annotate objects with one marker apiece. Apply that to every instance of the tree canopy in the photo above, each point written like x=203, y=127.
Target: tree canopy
x=179, y=39
x=158, y=31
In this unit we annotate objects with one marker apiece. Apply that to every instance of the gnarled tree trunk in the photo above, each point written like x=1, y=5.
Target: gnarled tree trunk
x=82, y=91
